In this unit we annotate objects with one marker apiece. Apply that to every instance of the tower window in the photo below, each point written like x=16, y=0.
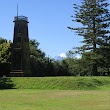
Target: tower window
x=18, y=39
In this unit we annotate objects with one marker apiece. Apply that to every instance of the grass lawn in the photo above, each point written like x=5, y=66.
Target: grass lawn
x=61, y=83
x=33, y=99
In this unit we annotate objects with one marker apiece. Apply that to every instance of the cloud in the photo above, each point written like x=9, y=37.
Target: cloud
x=63, y=55
x=78, y=56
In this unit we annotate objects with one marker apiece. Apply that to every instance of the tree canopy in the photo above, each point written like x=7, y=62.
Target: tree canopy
x=94, y=17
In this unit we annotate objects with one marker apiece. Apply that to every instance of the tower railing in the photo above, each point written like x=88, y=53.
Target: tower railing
x=20, y=18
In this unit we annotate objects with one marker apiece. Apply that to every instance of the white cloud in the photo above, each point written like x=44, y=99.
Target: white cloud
x=78, y=56
x=63, y=55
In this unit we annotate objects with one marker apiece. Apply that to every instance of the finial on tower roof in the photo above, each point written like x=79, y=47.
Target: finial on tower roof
x=17, y=10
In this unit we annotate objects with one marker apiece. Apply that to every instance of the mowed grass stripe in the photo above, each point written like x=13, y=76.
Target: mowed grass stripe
x=32, y=99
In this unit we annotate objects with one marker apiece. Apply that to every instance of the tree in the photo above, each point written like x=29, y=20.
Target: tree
x=5, y=56
x=36, y=58
x=78, y=66
x=2, y=40
x=95, y=20
x=5, y=52
x=34, y=49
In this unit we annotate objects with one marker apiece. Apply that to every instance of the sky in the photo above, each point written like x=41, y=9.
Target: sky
x=48, y=22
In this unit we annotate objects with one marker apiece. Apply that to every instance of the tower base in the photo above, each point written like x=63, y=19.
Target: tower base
x=16, y=73
x=20, y=73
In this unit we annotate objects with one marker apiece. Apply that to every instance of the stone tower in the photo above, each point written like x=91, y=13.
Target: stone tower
x=20, y=65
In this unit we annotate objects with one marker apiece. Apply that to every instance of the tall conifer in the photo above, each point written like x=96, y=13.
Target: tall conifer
x=95, y=19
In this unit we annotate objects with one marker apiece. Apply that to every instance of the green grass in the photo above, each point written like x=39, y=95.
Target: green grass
x=62, y=83
x=55, y=93
x=32, y=99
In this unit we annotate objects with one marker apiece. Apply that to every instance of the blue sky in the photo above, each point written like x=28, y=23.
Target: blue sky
x=48, y=22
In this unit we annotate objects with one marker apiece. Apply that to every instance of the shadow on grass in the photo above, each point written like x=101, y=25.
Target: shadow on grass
x=6, y=83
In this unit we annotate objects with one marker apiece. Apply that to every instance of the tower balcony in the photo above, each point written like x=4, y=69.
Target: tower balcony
x=20, y=18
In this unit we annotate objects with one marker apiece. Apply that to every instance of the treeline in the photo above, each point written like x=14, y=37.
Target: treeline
x=44, y=66
x=40, y=64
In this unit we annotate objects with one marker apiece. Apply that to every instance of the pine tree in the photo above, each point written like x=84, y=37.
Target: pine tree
x=95, y=19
